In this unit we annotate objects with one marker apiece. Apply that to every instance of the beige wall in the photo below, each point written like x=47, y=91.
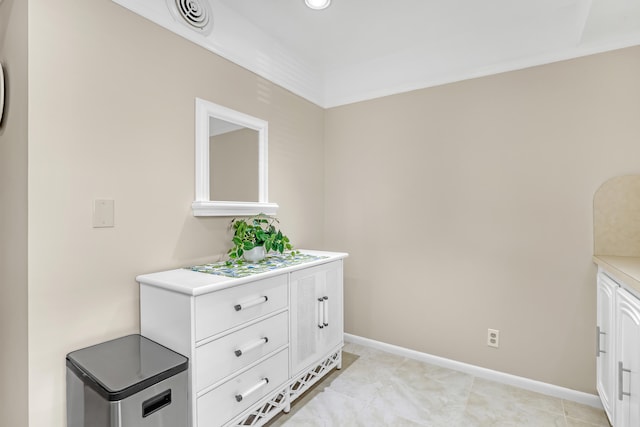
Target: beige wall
x=469, y=206
x=112, y=116
x=13, y=216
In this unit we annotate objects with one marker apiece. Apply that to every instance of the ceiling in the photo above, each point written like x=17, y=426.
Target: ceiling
x=362, y=49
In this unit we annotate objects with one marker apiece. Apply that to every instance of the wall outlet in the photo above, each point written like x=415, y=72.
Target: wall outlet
x=493, y=338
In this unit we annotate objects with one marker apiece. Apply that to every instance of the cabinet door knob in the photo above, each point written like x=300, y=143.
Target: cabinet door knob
x=240, y=397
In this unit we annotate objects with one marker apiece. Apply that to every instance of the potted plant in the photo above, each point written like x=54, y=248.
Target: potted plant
x=254, y=237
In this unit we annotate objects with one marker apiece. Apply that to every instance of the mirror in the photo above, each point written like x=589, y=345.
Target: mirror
x=232, y=148
x=231, y=163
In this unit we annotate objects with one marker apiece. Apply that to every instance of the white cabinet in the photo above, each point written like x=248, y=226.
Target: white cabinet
x=253, y=343
x=627, y=408
x=618, y=351
x=605, y=360
x=316, y=314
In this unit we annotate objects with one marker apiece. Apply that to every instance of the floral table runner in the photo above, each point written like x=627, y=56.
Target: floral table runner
x=242, y=268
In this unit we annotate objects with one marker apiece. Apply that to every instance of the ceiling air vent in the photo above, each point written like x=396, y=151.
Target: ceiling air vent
x=195, y=14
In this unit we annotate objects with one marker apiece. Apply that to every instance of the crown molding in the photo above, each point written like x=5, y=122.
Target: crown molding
x=242, y=43
x=390, y=77
x=239, y=41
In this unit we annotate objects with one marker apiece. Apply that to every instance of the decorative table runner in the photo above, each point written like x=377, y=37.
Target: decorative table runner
x=242, y=268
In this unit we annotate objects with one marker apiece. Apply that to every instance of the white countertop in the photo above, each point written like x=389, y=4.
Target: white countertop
x=190, y=282
x=624, y=268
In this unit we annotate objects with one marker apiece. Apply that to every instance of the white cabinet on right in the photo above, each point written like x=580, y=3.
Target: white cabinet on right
x=316, y=314
x=627, y=411
x=618, y=352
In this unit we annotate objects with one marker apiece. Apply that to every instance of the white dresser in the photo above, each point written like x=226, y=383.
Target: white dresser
x=254, y=343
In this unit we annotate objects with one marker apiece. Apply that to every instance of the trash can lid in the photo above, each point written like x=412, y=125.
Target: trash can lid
x=119, y=368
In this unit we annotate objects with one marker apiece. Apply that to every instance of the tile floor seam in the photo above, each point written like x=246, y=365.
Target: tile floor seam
x=466, y=402
x=565, y=412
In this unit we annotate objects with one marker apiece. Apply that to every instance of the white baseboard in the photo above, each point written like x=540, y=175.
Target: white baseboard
x=477, y=371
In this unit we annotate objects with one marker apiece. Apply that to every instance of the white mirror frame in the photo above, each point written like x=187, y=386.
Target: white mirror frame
x=203, y=205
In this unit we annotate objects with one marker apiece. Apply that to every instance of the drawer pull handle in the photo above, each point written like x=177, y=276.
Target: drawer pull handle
x=239, y=352
x=323, y=312
x=621, y=371
x=320, y=312
x=326, y=311
x=263, y=382
x=598, y=333
x=256, y=301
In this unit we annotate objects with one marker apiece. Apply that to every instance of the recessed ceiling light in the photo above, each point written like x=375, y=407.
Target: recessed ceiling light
x=318, y=4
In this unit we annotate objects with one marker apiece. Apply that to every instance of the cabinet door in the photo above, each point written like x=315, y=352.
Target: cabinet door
x=605, y=359
x=333, y=332
x=627, y=411
x=316, y=313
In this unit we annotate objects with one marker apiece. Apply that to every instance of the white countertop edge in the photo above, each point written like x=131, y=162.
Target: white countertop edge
x=625, y=269
x=193, y=283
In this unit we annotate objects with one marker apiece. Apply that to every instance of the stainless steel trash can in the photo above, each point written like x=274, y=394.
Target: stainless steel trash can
x=127, y=382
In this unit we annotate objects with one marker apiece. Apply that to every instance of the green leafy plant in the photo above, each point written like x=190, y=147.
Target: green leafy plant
x=259, y=230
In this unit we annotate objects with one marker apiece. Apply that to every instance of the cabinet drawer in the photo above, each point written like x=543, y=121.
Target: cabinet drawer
x=217, y=359
x=220, y=404
x=218, y=311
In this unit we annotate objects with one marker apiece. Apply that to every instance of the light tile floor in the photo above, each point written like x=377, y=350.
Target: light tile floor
x=375, y=388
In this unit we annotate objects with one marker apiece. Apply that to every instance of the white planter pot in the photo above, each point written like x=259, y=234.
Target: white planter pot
x=255, y=254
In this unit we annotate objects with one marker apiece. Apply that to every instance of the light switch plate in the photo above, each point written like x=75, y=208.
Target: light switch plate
x=103, y=213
